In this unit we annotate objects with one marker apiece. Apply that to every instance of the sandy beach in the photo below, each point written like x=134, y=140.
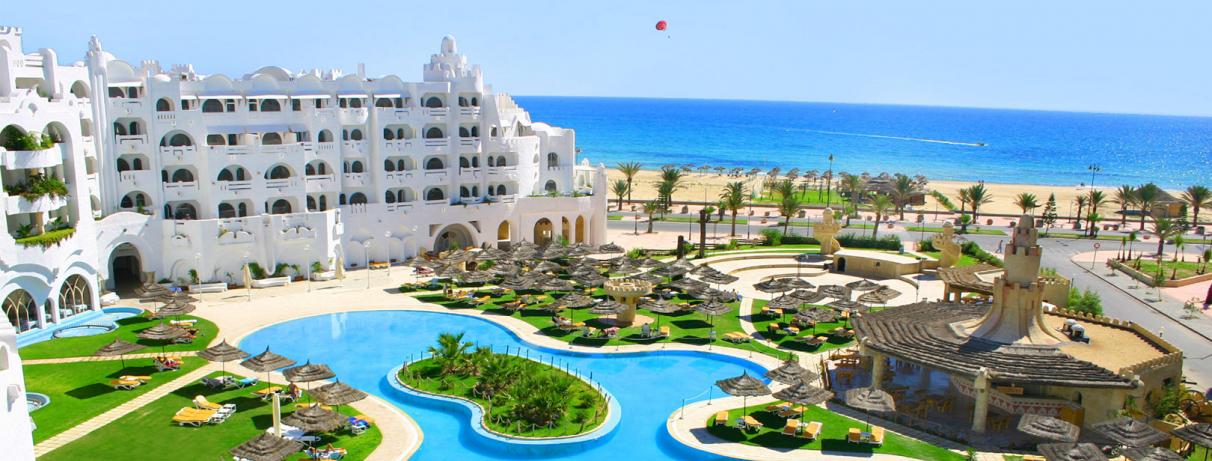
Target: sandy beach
x=700, y=186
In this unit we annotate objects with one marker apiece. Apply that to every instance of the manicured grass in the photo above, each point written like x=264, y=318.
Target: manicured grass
x=1199, y=454
x=808, y=198
x=1179, y=269
x=584, y=407
x=685, y=327
x=1072, y=235
x=614, y=217
x=964, y=260
x=127, y=329
x=785, y=341
x=148, y=433
x=47, y=238
x=81, y=390
x=971, y=230
x=833, y=436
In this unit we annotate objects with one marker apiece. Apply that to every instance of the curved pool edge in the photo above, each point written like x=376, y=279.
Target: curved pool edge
x=476, y=417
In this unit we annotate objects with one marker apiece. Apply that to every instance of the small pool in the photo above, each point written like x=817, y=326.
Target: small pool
x=83, y=324
x=648, y=386
x=84, y=330
x=34, y=401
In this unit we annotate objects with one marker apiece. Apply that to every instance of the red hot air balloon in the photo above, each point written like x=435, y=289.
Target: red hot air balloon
x=661, y=25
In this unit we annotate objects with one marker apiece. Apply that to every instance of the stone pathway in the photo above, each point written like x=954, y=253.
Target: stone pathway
x=91, y=358
x=82, y=429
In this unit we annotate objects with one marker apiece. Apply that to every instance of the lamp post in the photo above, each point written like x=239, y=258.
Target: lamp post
x=248, y=283
x=829, y=183
x=1094, y=168
x=366, y=254
x=387, y=240
x=307, y=267
x=198, y=267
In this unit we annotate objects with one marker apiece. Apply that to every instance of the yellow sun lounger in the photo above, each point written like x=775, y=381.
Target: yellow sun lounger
x=125, y=385
x=721, y=418
x=268, y=390
x=193, y=417
x=134, y=378
x=792, y=426
x=812, y=430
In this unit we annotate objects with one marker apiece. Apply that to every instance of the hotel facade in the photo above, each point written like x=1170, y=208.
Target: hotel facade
x=119, y=174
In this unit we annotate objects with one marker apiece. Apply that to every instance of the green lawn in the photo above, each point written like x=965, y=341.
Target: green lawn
x=808, y=198
x=127, y=328
x=1179, y=269
x=964, y=260
x=148, y=433
x=81, y=390
x=1199, y=454
x=833, y=436
x=614, y=217
x=1074, y=235
x=786, y=341
x=580, y=399
x=685, y=327
x=971, y=230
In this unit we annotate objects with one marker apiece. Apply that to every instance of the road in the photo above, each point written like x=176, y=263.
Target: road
x=1117, y=302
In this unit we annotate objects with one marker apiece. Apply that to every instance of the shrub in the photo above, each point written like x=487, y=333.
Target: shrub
x=1169, y=401
x=30, y=141
x=53, y=237
x=317, y=267
x=1086, y=301
x=978, y=253
x=772, y=237
x=256, y=271
x=887, y=242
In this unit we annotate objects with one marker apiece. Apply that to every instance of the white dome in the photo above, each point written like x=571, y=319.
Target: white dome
x=448, y=45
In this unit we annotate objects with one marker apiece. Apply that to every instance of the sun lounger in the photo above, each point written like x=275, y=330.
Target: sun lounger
x=789, y=412
x=736, y=337
x=193, y=417
x=142, y=379
x=664, y=331
x=812, y=341
x=792, y=427
x=875, y=437
x=812, y=430
x=125, y=385
x=243, y=383
x=182, y=323
x=777, y=408
x=721, y=418
x=748, y=422
x=202, y=403
x=171, y=365
x=312, y=404
x=267, y=391
x=216, y=383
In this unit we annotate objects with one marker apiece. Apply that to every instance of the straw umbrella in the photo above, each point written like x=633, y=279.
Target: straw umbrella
x=1071, y=452
x=223, y=353
x=870, y=399
x=573, y=301
x=879, y=296
x=712, y=308
x=1197, y=433
x=163, y=333
x=266, y=447
x=1048, y=428
x=660, y=307
x=119, y=348
x=175, y=310
x=837, y=292
x=804, y=394
x=608, y=307
x=797, y=284
x=313, y=418
x=267, y=362
x=743, y=386
x=556, y=284
x=863, y=285
x=611, y=248
x=307, y=373
x=1152, y=454
x=337, y=393
x=1130, y=432
x=791, y=372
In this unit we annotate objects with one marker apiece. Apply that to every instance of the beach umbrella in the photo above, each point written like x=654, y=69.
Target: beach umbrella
x=611, y=248
x=1152, y=454
x=547, y=266
x=1197, y=433
x=308, y=372
x=797, y=284
x=556, y=284
x=175, y=310
x=1048, y=428
x=575, y=300
x=1071, y=452
x=712, y=308
x=504, y=269
x=266, y=447
x=518, y=284
x=314, y=418
x=870, y=399
x=704, y=269
x=119, y=348
x=476, y=277
x=222, y=353
x=863, y=285
x=837, y=292
x=589, y=280
x=660, y=307
x=608, y=307
x=743, y=386
x=843, y=305
x=688, y=285
x=791, y=372
x=670, y=271
x=815, y=316
x=879, y=296
x=720, y=279
x=163, y=333
x=492, y=254
x=267, y=362
x=1130, y=432
x=786, y=301
x=802, y=393
x=580, y=250
x=807, y=297
x=337, y=393
x=654, y=279
x=649, y=263
x=770, y=286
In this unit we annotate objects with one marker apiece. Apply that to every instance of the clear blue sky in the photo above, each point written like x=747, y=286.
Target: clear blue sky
x=1083, y=55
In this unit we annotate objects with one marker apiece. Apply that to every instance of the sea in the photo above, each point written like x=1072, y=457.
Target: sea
x=941, y=143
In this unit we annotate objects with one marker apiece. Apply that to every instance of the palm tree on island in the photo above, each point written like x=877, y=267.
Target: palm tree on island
x=1125, y=197
x=629, y=170
x=732, y=198
x=1147, y=197
x=1197, y=197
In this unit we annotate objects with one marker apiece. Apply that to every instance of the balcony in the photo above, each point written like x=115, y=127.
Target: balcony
x=321, y=183
x=232, y=237
x=469, y=145
x=400, y=178
x=401, y=146
x=354, y=179
x=437, y=112
x=351, y=116
x=230, y=150
x=169, y=118
x=137, y=178
x=132, y=143
x=470, y=174
x=399, y=207
x=470, y=112
x=281, y=184
x=437, y=142
x=326, y=147
x=180, y=190
x=18, y=204
x=353, y=148
x=126, y=107
x=29, y=159
x=442, y=202
x=181, y=154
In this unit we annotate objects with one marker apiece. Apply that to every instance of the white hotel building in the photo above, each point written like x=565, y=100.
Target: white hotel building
x=186, y=177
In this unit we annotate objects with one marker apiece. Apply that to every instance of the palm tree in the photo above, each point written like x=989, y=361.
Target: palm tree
x=1197, y=197
x=671, y=181
x=978, y=195
x=1081, y=204
x=1125, y=197
x=789, y=203
x=650, y=208
x=1026, y=202
x=629, y=170
x=854, y=185
x=1163, y=228
x=1097, y=200
x=450, y=352
x=902, y=192
x=881, y=204
x=1147, y=197
x=732, y=198
x=620, y=188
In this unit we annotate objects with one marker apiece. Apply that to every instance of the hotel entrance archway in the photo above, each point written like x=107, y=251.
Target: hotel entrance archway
x=125, y=268
x=452, y=237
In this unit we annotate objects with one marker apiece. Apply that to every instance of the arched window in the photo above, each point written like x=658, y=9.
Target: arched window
x=434, y=163
x=389, y=197
x=176, y=140
x=433, y=102
x=271, y=105
x=434, y=133
x=79, y=89
x=226, y=210
x=271, y=139
x=278, y=172
x=493, y=132
x=553, y=160
x=309, y=170
x=388, y=134
x=402, y=197
x=281, y=206
x=185, y=211
x=323, y=202
x=183, y=175
x=357, y=198
x=491, y=161
x=316, y=167
x=216, y=140
x=400, y=165
x=355, y=134
x=475, y=102
x=384, y=102
x=356, y=167
x=119, y=129
x=435, y=194
x=341, y=199
x=355, y=103
x=500, y=189
x=463, y=163
x=163, y=175
x=311, y=203
x=475, y=162
x=388, y=165
x=122, y=165
x=325, y=136
x=463, y=101
x=475, y=191
x=475, y=131
x=21, y=311
x=212, y=105
x=501, y=161
x=550, y=186
x=464, y=132
x=164, y=105
x=464, y=192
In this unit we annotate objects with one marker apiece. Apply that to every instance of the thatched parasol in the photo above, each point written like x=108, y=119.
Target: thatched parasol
x=863, y=285
x=308, y=372
x=492, y=254
x=802, y=393
x=650, y=263
x=503, y=269
x=337, y=393
x=1197, y=433
x=175, y=310
x=554, y=252
x=452, y=271
x=222, y=353
x=519, y=284
x=547, y=266
x=1152, y=454
x=556, y=284
x=476, y=277
x=656, y=280
x=785, y=302
x=712, y=308
x=791, y=372
x=835, y=291
x=688, y=285
x=589, y=279
x=870, y=399
x=267, y=362
x=1130, y=432
x=879, y=296
x=720, y=279
x=314, y=418
x=660, y=307
x=670, y=271
x=574, y=301
x=1048, y=428
x=797, y=284
x=163, y=333
x=808, y=297
x=119, y=348
x=704, y=269
x=1071, y=452
x=266, y=447
x=770, y=286
x=608, y=307
x=842, y=305
x=611, y=248
x=743, y=386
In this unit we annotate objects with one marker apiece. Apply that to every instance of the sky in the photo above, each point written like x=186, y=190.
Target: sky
x=1127, y=56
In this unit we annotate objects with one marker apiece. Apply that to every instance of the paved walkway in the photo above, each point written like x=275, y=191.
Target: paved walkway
x=82, y=429
x=92, y=358
x=1165, y=305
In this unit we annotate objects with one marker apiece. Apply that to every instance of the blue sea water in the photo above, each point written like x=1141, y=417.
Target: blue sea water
x=993, y=145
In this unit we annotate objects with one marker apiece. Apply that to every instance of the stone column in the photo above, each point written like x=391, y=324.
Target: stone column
x=980, y=411
x=877, y=368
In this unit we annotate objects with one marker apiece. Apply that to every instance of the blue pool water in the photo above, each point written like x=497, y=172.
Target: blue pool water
x=362, y=347
x=93, y=322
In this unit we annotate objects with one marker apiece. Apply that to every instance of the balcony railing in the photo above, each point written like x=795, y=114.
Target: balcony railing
x=437, y=142
x=234, y=185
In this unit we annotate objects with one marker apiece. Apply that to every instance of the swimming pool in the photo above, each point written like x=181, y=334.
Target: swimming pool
x=93, y=322
x=363, y=347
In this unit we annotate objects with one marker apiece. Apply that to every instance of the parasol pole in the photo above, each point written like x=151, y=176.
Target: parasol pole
x=277, y=414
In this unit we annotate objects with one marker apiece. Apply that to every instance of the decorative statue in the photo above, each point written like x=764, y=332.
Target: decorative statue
x=945, y=244
x=825, y=231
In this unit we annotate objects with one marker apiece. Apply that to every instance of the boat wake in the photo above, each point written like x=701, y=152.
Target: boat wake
x=898, y=138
